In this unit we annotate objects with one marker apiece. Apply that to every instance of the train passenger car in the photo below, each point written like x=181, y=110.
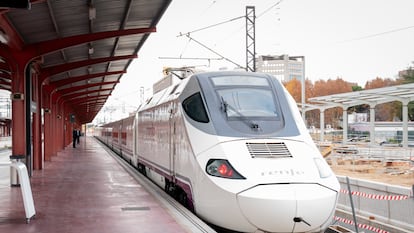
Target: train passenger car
x=98, y=132
x=118, y=136
x=104, y=134
x=126, y=138
x=233, y=147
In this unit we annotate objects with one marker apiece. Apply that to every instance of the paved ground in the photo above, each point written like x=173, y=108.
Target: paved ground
x=84, y=190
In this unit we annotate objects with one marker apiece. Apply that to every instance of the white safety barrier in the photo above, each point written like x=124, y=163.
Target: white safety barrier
x=360, y=225
x=25, y=187
x=377, y=196
x=390, y=205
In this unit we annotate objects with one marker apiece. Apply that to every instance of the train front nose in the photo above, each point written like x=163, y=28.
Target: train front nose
x=288, y=207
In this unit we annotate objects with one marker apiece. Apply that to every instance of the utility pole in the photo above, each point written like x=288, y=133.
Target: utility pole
x=250, y=39
x=303, y=88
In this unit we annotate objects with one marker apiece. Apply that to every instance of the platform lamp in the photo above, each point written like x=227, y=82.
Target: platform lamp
x=92, y=12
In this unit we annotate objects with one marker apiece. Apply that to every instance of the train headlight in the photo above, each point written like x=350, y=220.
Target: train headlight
x=222, y=168
x=323, y=168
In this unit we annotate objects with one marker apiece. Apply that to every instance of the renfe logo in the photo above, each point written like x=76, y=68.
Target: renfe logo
x=284, y=172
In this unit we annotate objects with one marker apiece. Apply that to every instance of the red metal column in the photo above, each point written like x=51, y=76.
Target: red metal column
x=18, y=107
x=48, y=142
x=55, y=130
x=57, y=125
x=18, y=61
x=59, y=128
x=47, y=124
x=67, y=127
x=36, y=130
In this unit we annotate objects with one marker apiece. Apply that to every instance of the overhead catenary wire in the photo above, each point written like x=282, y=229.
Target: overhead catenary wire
x=191, y=58
x=378, y=34
x=231, y=20
x=207, y=9
x=268, y=9
x=211, y=50
x=209, y=59
x=234, y=19
x=185, y=47
x=210, y=26
x=187, y=34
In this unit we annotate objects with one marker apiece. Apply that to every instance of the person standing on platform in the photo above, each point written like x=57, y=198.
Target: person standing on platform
x=78, y=132
x=75, y=137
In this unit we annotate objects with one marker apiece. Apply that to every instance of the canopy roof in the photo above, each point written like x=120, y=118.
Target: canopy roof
x=80, y=48
x=402, y=93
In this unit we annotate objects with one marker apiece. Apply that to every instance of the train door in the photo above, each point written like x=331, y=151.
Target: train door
x=135, y=141
x=120, y=142
x=172, y=142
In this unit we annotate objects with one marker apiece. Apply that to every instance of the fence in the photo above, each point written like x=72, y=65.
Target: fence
x=391, y=205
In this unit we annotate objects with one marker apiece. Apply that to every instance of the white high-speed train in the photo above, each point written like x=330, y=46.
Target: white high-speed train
x=232, y=147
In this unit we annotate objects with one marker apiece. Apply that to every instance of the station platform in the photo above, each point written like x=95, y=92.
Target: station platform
x=85, y=189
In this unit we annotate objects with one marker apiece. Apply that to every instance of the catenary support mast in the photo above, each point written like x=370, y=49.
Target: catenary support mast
x=250, y=39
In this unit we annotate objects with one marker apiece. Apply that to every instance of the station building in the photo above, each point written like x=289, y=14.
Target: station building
x=283, y=67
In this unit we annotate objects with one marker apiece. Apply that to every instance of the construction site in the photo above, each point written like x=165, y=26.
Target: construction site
x=385, y=164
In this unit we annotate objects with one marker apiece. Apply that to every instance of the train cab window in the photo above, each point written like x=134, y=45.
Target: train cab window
x=248, y=102
x=194, y=108
x=246, y=96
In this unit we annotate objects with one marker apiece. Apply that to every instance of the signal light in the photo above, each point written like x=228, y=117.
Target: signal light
x=222, y=168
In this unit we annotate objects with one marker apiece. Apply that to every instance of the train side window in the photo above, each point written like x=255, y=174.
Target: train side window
x=194, y=108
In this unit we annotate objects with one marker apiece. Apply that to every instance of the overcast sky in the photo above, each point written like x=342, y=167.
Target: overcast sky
x=353, y=39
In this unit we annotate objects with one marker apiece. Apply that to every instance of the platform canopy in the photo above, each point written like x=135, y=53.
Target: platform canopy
x=372, y=96
x=402, y=93
x=79, y=48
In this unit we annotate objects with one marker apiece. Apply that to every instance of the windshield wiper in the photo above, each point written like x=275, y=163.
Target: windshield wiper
x=225, y=106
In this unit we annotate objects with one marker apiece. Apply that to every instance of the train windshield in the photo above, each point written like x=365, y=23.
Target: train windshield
x=247, y=102
x=245, y=96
